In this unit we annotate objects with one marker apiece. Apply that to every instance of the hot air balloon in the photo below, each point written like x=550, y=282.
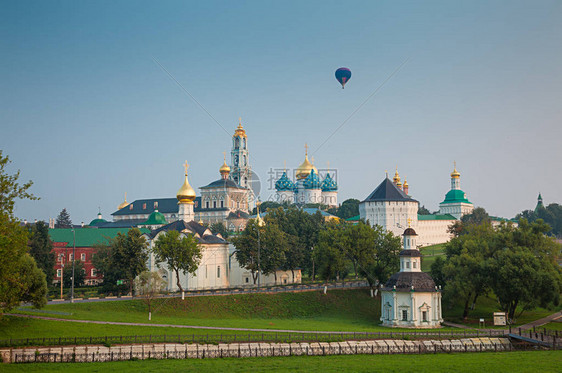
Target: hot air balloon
x=343, y=74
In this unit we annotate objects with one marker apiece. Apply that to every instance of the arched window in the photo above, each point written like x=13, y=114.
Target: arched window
x=215, y=204
x=207, y=203
x=222, y=203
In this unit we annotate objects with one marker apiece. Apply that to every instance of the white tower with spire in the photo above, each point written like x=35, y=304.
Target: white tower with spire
x=241, y=171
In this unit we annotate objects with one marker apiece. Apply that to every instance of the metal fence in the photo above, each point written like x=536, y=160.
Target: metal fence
x=268, y=337
x=272, y=351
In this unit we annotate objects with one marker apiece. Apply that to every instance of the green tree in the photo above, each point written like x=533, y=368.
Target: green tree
x=148, y=285
x=40, y=248
x=272, y=247
x=105, y=265
x=384, y=260
x=525, y=272
x=465, y=271
x=476, y=217
x=129, y=254
x=79, y=274
x=63, y=220
x=349, y=208
x=181, y=254
x=219, y=228
x=329, y=254
x=423, y=211
x=20, y=278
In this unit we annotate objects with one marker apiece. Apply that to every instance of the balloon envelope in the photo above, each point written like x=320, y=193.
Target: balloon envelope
x=343, y=74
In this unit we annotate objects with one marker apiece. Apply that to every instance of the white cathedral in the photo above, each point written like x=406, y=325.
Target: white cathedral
x=308, y=187
x=391, y=207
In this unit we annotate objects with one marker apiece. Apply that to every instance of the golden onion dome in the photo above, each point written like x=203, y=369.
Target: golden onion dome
x=186, y=194
x=396, y=178
x=225, y=169
x=304, y=169
x=240, y=131
x=124, y=203
x=455, y=174
x=405, y=183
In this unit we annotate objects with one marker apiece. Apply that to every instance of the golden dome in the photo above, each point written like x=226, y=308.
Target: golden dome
x=240, y=131
x=186, y=194
x=124, y=204
x=396, y=178
x=225, y=169
x=405, y=183
x=455, y=174
x=304, y=169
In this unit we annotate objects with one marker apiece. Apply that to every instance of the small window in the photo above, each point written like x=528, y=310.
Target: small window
x=83, y=271
x=94, y=272
x=222, y=203
x=156, y=205
x=404, y=315
x=247, y=279
x=59, y=272
x=424, y=316
x=144, y=206
x=83, y=257
x=70, y=257
x=206, y=204
x=284, y=280
x=218, y=271
x=414, y=264
x=214, y=204
x=131, y=206
x=196, y=203
x=407, y=264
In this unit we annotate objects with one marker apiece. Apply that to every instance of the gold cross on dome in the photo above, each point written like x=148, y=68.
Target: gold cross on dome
x=409, y=222
x=285, y=165
x=305, y=148
x=328, y=163
x=240, y=120
x=185, y=167
x=224, y=156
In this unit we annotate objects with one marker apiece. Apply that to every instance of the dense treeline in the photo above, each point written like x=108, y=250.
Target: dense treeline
x=519, y=265
x=551, y=214
x=290, y=239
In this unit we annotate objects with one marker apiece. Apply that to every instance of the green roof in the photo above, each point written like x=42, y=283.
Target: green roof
x=354, y=218
x=456, y=196
x=156, y=218
x=436, y=217
x=96, y=222
x=87, y=237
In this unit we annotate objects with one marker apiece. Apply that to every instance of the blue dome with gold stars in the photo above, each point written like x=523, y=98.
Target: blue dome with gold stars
x=329, y=184
x=312, y=181
x=284, y=183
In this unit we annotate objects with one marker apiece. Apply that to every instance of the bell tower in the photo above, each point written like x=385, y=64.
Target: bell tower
x=241, y=171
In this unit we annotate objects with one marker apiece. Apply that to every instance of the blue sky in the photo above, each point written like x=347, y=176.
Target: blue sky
x=88, y=115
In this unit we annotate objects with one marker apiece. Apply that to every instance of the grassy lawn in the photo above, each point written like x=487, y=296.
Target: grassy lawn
x=555, y=325
x=485, y=307
x=339, y=310
x=532, y=361
x=430, y=253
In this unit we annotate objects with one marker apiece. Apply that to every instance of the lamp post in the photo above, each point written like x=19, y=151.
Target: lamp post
x=61, y=257
x=312, y=249
x=73, y=262
x=259, y=223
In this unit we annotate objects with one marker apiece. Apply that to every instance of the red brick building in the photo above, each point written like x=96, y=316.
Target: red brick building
x=86, y=239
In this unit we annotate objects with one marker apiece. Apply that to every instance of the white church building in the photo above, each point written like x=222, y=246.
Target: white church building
x=410, y=299
x=218, y=267
x=391, y=207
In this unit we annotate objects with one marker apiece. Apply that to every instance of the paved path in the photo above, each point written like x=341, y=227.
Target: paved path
x=544, y=320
